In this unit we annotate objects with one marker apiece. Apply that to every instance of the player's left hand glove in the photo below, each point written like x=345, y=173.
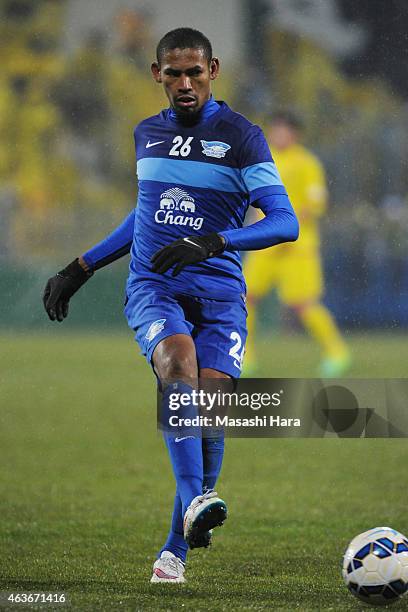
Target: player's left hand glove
x=61, y=287
x=186, y=251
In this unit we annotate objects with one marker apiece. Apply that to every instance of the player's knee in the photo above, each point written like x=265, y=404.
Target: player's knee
x=177, y=366
x=180, y=367
x=175, y=359
x=302, y=308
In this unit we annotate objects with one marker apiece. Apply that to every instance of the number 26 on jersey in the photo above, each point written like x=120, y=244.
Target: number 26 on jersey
x=181, y=147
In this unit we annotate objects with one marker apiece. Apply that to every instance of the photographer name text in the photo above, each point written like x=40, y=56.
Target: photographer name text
x=226, y=421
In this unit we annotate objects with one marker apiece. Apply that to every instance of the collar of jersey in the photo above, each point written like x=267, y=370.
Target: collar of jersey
x=208, y=110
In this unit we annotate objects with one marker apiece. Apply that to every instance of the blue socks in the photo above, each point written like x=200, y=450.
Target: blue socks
x=196, y=464
x=175, y=542
x=187, y=461
x=213, y=453
x=184, y=448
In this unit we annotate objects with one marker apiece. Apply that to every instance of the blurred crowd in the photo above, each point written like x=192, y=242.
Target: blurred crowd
x=66, y=119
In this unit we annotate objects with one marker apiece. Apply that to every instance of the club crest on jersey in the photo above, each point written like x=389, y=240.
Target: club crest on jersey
x=214, y=148
x=177, y=208
x=155, y=328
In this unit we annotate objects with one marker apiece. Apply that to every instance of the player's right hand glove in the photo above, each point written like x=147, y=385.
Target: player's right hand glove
x=186, y=251
x=61, y=287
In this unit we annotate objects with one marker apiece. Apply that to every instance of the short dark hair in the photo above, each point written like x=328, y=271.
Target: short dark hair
x=289, y=117
x=184, y=38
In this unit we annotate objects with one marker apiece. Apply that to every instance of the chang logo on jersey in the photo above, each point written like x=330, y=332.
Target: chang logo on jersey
x=175, y=206
x=214, y=148
x=155, y=328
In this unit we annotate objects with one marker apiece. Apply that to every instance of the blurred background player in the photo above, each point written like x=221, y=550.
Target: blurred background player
x=295, y=270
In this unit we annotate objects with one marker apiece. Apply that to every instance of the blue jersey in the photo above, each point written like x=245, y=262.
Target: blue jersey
x=193, y=181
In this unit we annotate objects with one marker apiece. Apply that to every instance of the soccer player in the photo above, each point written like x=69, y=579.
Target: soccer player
x=295, y=270
x=199, y=166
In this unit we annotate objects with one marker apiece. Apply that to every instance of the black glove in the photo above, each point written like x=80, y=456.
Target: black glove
x=61, y=287
x=185, y=251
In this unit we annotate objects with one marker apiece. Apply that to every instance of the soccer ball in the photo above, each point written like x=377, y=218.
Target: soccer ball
x=375, y=566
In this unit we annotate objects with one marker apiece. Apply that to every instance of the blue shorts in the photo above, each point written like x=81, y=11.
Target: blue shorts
x=217, y=327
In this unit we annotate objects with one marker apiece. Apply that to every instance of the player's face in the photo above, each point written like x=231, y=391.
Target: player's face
x=186, y=76
x=281, y=135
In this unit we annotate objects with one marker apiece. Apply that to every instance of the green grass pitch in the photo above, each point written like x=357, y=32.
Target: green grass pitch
x=86, y=487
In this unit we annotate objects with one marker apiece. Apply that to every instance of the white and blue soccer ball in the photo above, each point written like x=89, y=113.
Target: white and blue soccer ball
x=375, y=566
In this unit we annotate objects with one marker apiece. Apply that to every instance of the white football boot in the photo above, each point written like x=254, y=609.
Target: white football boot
x=168, y=568
x=205, y=512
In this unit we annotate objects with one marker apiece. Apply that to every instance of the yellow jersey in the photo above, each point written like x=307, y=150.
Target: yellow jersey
x=304, y=178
